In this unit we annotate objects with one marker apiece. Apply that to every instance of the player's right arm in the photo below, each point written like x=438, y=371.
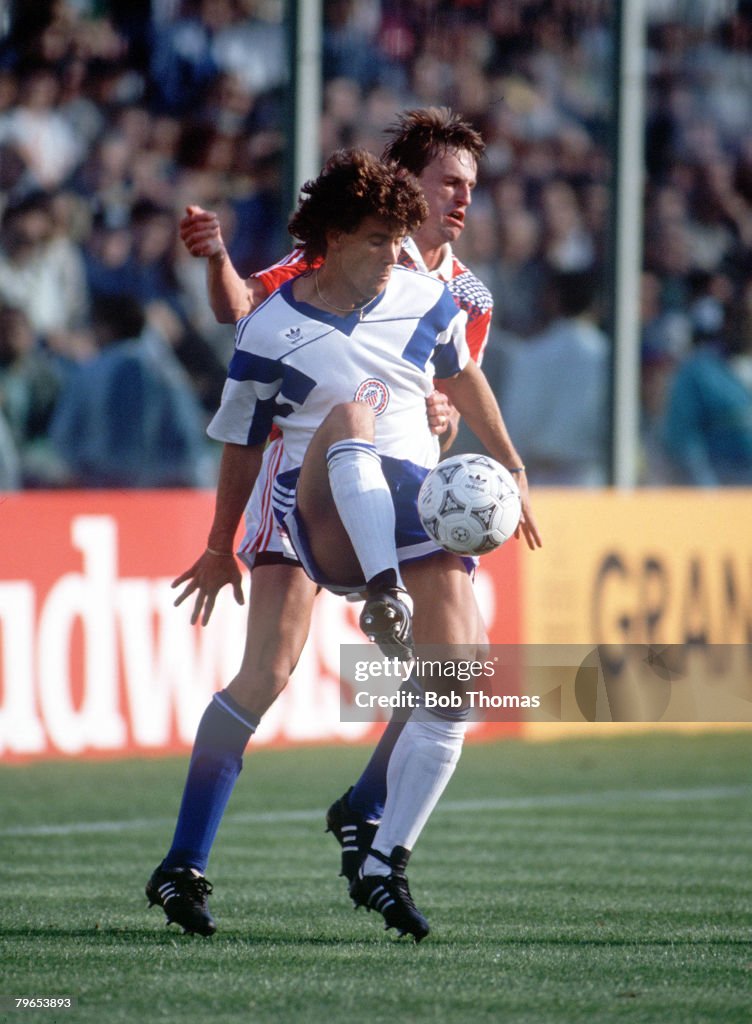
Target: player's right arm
x=471, y=394
x=217, y=565
x=230, y=297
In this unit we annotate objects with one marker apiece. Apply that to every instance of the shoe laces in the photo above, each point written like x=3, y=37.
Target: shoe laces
x=402, y=889
x=194, y=886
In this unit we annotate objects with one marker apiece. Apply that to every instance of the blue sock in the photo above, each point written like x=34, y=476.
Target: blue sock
x=368, y=795
x=216, y=761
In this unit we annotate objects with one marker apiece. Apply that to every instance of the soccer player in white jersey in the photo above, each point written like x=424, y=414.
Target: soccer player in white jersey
x=347, y=488
x=443, y=152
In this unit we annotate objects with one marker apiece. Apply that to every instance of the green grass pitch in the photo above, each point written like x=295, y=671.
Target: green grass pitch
x=577, y=881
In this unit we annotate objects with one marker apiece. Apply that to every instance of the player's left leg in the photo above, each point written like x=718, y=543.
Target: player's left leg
x=428, y=748
x=353, y=818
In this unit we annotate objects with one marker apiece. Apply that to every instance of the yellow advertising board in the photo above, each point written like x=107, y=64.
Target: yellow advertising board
x=660, y=582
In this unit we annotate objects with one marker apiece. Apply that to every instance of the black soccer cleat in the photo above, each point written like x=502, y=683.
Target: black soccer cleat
x=390, y=896
x=386, y=619
x=353, y=833
x=182, y=893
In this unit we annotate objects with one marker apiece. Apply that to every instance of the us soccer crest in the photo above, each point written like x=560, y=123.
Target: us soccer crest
x=374, y=393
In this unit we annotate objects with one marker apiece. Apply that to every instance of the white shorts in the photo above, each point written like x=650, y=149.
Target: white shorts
x=263, y=534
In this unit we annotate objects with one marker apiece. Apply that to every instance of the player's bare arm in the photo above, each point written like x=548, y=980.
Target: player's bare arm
x=217, y=565
x=449, y=434
x=230, y=296
x=471, y=394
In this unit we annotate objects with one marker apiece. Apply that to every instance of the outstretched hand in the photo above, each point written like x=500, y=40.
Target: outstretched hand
x=527, y=527
x=205, y=578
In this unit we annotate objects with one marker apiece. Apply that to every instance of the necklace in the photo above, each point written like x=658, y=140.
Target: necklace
x=340, y=309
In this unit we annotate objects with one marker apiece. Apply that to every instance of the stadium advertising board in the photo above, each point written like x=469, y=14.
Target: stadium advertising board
x=95, y=659
x=660, y=582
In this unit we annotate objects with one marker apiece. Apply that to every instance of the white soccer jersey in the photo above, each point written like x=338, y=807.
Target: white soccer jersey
x=468, y=291
x=293, y=363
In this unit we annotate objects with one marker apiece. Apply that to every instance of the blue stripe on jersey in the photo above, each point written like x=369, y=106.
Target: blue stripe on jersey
x=296, y=385
x=247, y=366
x=445, y=361
x=261, y=421
x=422, y=343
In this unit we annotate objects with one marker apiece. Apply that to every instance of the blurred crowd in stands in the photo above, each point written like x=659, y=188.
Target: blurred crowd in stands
x=116, y=115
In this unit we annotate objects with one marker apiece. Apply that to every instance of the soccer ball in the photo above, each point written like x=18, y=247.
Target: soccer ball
x=469, y=504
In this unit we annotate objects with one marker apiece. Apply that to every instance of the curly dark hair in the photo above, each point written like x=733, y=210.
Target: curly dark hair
x=418, y=136
x=354, y=185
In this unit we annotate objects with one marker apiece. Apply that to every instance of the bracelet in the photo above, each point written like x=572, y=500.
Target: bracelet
x=220, y=554
x=518, y=469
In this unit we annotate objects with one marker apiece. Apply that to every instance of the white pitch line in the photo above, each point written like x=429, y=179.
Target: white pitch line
x=552, y=801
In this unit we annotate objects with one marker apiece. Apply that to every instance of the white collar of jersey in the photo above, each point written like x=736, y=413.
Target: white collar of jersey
x=444, y=269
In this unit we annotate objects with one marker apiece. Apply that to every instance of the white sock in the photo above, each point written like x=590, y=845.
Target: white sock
x=420, y=766
x=364, y=503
